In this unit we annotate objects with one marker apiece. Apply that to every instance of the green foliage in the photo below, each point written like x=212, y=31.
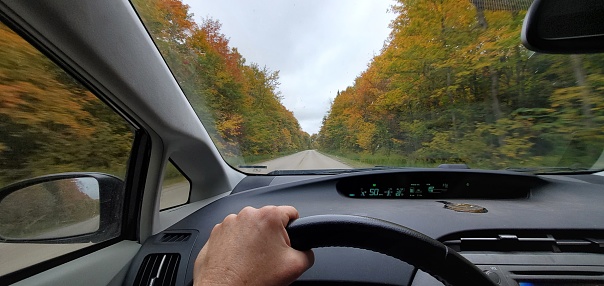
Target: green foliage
x=454, y=85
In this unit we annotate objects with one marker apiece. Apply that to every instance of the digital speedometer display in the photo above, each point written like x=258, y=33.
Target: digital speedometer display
x=400, y=190
x=436, y=184
x=390, y=186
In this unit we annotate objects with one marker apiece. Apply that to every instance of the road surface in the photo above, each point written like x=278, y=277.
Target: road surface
x=305, y=160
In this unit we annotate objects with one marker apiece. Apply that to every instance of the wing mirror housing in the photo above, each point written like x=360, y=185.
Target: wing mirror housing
x=564, y=26
x=62, y=208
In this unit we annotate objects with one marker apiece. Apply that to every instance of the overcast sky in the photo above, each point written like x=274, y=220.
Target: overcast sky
x=318, y=46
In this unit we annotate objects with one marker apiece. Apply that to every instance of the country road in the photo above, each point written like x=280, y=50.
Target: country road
x=305, y=160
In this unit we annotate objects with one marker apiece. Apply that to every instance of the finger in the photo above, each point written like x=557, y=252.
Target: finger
x=289, y=213
x=228, y=220
x=310, y=256
x=247, y=210
x=297, y=263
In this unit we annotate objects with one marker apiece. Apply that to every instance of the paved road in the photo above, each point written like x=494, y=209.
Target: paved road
x=305, y=160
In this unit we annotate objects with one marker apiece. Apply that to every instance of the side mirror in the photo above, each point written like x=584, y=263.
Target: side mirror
x=564, y=26
x=62, y=208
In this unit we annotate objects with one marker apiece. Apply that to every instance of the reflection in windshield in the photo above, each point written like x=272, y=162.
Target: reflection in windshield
x=453, y=84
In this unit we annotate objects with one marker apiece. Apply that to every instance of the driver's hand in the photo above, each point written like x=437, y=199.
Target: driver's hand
x=252, y=248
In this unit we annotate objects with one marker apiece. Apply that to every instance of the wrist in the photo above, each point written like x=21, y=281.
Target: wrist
x=219, y=277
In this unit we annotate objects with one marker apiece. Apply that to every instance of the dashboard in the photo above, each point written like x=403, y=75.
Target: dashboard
x=519, y=229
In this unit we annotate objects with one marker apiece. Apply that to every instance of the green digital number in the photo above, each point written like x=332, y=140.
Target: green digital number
x=374, y=192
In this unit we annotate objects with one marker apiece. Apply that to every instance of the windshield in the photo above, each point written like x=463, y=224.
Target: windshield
x=311, y=85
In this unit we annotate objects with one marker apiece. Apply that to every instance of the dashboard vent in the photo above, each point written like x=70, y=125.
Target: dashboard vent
x=509, y=242
x=175, y=237
x=158, y=270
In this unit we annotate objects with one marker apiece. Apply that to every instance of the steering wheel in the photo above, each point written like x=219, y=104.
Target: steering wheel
x=388, y=238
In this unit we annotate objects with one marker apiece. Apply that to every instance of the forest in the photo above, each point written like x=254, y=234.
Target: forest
x=51, y=123
x=238, y=102
x=453, y=84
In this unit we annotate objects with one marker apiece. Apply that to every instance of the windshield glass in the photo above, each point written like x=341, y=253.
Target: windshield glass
x=310, y=85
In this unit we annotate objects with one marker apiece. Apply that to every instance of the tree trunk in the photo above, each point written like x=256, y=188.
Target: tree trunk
x=520, y=77
x=495, y=100
x=577, y=63
x=452, y=104
x=494, y=94
x=482, y=20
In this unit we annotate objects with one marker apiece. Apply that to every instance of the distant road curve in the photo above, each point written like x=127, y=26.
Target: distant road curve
x=305, y=160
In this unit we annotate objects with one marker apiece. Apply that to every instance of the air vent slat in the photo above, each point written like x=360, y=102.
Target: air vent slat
x=537, y=239
x=574, y=242
x=598, y=241
x=158, y=270
x=150, y=266
x=173, y=264
x=557, y=273
x=479, y=239
x=529, y=242
x=175, y=237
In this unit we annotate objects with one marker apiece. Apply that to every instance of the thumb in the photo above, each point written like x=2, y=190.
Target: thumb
x=303, y=260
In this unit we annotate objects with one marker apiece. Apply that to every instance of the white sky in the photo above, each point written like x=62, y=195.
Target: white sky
x=318, y=46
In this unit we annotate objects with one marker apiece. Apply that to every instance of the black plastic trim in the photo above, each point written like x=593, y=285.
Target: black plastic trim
x=135, y=184
x=533, y=41
x=252, y=182
x=154, y=245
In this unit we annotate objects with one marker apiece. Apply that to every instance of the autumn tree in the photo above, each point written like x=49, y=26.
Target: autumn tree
x=453, y=84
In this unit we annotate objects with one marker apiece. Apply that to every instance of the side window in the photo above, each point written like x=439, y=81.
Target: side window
x=63, y=159
x=175, y=188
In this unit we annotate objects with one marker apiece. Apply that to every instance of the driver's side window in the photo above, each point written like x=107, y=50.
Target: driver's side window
x=63, y=158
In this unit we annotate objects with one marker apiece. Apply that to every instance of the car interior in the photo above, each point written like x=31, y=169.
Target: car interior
x=449, y=225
